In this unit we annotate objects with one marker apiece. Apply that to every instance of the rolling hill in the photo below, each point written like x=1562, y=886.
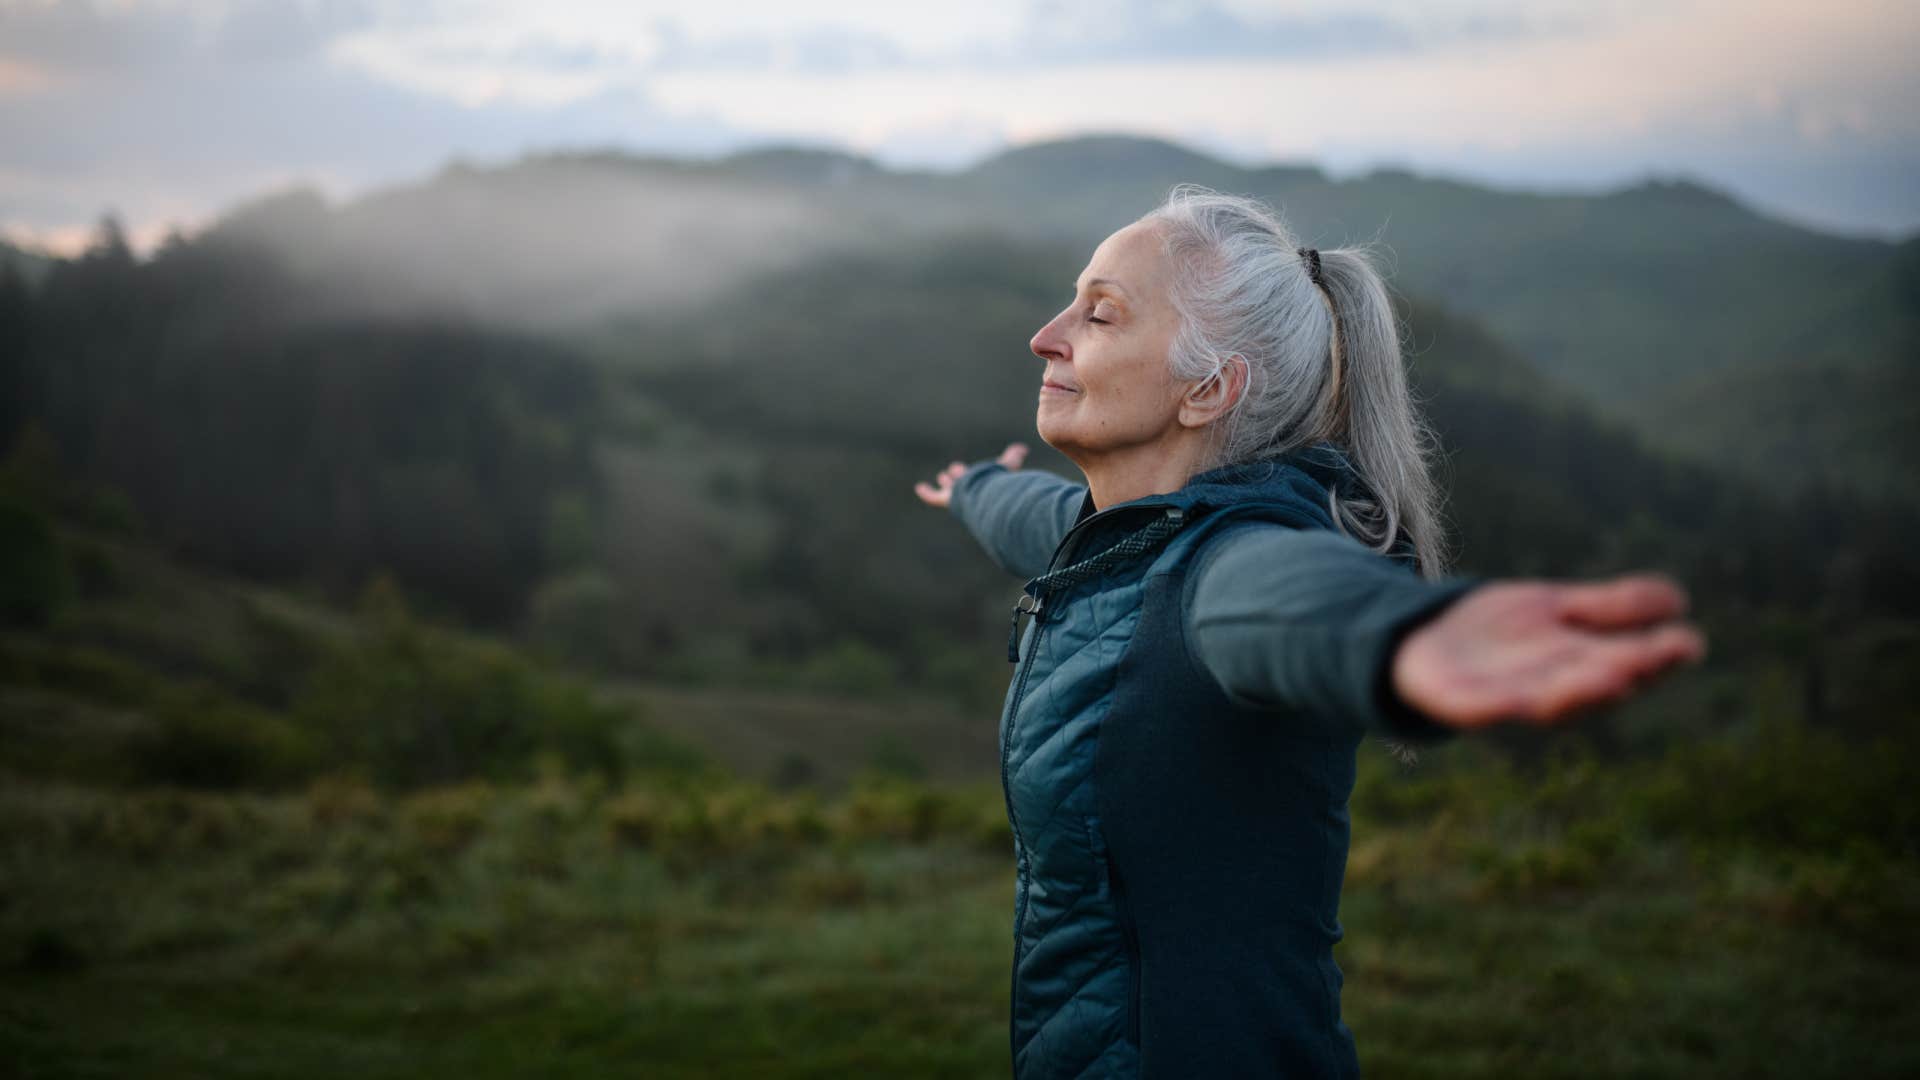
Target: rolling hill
x=1649, y=300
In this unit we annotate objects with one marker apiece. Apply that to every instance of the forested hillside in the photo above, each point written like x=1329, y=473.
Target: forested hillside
x=1650, y=300
x=680, y=490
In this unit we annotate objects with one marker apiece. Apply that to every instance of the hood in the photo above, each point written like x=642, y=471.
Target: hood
x=1300, y=481
x=1294, y=489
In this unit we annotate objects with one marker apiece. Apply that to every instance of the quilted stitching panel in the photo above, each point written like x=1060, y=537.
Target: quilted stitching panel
x=1071, y=1007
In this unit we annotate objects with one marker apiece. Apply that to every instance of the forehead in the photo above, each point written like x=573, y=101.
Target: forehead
x=1133, y=258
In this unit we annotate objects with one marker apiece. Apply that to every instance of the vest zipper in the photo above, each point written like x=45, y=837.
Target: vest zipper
x=1030, y=604
x=1021, y=866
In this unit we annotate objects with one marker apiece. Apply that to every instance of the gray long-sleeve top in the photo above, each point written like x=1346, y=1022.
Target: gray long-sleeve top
x=1282, y=618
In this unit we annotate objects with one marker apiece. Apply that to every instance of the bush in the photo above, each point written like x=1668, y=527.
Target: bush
x=444, y=821
x=887, y=809
x=850, y=667
x=201, y=739
x=35, y=580
x=577, y=617
x=417, y=707
x=1786, y=787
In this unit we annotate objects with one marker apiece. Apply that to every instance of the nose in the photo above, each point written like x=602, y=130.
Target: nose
x=1050, y=344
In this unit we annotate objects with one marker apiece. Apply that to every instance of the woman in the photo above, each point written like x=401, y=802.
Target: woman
x=1216, y=617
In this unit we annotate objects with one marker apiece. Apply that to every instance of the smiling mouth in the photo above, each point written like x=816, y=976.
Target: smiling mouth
x=1056, y=388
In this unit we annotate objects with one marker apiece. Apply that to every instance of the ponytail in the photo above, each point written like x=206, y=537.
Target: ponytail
x=1317, y=332
x=1380, y=428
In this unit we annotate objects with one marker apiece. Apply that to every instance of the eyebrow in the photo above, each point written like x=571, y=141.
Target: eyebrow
x=1108, y=282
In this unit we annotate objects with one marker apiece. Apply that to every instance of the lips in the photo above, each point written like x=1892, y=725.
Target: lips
x=1060, y=388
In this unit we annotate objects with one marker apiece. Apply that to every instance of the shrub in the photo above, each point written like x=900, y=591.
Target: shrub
x=577, y=617
x=417, y=707
x=202, y=739
x=633, y=819
x=1785, y=787
x=35, y=580
x=338, y=801
x=838, y=884
x=850, y=667
x=444, y=821
x=883, y=809
x=49, y=951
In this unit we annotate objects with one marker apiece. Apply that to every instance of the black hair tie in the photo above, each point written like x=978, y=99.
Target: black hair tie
x=1312, y=255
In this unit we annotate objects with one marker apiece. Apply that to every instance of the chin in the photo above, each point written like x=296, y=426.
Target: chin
x=1050, y=431
x=1060, y=437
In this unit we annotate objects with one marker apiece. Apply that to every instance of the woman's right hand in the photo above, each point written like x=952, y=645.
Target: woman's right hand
x=940, y=492
x=1544, y=651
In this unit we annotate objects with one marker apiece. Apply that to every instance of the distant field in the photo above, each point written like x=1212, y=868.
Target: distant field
x=824, y=740
x=1576, y=921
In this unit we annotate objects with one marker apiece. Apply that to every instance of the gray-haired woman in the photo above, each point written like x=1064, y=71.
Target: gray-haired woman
x=1214, y=619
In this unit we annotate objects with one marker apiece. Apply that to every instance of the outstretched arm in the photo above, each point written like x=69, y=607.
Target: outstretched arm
x=1018, y=517
x=1314, y=622
x=1541, y=651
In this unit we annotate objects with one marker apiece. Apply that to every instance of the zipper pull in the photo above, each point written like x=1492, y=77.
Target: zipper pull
x=1028, y=604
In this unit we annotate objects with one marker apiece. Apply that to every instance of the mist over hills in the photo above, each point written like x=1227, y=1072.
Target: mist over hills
x=1652, y=301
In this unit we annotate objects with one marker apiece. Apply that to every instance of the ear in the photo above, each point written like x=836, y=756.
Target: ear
x=1214, y=396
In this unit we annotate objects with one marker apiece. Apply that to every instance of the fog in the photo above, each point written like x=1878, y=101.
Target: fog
x=551, y=243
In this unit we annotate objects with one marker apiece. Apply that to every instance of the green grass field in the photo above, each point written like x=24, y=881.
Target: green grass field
x=1573, y=920
x=691, y=880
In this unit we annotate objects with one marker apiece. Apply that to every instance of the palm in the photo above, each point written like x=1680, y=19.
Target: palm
x=1540, y=652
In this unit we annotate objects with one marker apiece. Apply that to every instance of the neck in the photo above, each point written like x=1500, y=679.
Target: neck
x=1136, y=472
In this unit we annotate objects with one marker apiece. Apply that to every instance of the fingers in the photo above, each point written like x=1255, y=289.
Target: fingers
x=940, y=492
x=1623, y=603
x=941, y=497
x=1608, y=669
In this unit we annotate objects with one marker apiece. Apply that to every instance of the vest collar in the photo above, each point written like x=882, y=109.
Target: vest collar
x=1295, y=489
x=1299, y=481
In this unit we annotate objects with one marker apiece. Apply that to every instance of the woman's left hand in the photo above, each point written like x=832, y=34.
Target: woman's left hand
x=939, y=494
x=1540, y=652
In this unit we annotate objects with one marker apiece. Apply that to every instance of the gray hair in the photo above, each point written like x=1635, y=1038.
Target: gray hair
x=1323, y=360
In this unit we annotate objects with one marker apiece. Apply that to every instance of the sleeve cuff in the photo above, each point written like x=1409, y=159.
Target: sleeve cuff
x=970, y=479
x=1397, y=718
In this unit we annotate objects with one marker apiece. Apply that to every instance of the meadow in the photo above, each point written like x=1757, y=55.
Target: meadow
x=1675, y=917
x=246, y=834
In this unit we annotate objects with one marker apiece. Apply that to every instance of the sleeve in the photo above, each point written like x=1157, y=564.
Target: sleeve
x=1309, y=621
x=1018, y=517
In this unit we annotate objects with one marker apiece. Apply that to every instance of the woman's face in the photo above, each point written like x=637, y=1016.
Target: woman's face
x=1107, y=386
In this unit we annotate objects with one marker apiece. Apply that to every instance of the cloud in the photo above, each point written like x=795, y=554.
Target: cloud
x=812, y=49
x=83, y=37
x=264, y=32
x=497, y=53
x=1143, y=30
x=172, y=113
x=178, y=107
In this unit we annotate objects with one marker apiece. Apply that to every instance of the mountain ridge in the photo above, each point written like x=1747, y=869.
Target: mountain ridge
x=1635, y=297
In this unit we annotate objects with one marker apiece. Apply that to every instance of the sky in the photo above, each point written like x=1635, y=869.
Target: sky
x=167, y=112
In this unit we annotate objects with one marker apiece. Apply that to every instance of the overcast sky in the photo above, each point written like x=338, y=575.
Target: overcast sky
x=168, y=111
